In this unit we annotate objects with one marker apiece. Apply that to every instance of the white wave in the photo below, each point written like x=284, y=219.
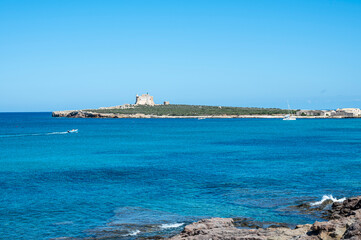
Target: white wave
x=171, y=225
x=63, y=223
x=136, y=232
x=327, y=197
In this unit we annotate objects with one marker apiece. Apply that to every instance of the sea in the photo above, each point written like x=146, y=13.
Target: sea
x=133, y=178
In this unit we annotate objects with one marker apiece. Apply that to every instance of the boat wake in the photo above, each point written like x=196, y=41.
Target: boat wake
x=32, y=134
x=54, y=133
x=327, y=198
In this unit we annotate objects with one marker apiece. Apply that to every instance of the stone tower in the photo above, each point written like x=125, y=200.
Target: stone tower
x=144, y=99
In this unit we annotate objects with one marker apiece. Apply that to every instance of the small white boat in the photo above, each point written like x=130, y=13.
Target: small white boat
x=73, y=131
x=289, y=117
x=201, y=118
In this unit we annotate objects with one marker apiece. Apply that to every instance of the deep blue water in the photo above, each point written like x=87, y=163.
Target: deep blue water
x=132, y=172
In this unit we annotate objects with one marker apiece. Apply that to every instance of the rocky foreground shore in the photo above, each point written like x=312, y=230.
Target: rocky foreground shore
x=344, y=223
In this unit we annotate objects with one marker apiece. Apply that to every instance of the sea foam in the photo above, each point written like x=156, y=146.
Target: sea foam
x=327, y=197
x=171, y=225
x=136, y=232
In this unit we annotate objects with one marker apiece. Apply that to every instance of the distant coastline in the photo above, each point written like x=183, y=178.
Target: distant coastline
x=109, y=114
x=145, y=107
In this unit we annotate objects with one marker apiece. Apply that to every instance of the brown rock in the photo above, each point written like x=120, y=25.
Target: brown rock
x=346, y=208
x=345, y=224
x=353, y=231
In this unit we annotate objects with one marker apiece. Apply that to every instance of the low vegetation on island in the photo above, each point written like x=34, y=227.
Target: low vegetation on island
x=192, y=110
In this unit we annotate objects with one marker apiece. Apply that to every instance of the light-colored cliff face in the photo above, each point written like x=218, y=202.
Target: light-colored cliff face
x=144, y=99
x=354, y=111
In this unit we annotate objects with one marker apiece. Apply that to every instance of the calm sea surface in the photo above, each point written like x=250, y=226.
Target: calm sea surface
x=152, y=175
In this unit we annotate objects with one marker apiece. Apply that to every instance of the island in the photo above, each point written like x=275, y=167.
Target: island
x=145, y=107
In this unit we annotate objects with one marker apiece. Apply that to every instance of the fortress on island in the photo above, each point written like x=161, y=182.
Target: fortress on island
x=144, y=99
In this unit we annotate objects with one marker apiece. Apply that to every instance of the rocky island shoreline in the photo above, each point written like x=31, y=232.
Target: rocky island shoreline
x=144, y=107
x=119, y=114
x=91, y=114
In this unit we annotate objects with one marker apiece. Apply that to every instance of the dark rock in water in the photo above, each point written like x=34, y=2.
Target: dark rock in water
x=345, y=223
x=64, y=238
x=319, y=211
x=151, y=238
x=250, y=223
x=246, y=223
x=346, y=208
x=279, y=225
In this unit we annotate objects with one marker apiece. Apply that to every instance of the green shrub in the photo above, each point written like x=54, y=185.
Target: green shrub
x=193, y=110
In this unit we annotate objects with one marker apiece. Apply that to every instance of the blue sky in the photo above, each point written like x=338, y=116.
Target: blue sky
x=70, y=54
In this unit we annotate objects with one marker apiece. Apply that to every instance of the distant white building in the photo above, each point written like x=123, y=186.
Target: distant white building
x=356, y=112
x=144, y=99
x=328, y=113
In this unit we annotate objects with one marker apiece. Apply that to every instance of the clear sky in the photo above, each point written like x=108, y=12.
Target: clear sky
x=70, y=54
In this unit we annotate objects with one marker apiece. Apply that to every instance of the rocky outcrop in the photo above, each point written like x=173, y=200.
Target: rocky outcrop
x=81, y=114
x=224, y=228
x=349, y=207
x=89, y=114
x=353, y=231
x=345, y=223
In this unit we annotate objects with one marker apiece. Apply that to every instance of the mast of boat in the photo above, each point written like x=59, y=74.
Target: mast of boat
x=289, y=108
x=289, y=115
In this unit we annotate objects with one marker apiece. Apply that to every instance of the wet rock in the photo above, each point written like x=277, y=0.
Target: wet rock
x=65, y=238
x=151, y=238
x=345, y=224
x=319, y=211
x=346, y=208
x=250, y=223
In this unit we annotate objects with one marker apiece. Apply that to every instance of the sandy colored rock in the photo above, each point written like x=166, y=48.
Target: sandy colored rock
x=345, y=223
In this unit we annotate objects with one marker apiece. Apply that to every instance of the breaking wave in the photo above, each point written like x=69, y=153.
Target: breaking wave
x=326, y=198
x=134, y=233
x=171, y=225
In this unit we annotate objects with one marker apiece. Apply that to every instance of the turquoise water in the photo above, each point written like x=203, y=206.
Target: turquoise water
x=131, y=173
